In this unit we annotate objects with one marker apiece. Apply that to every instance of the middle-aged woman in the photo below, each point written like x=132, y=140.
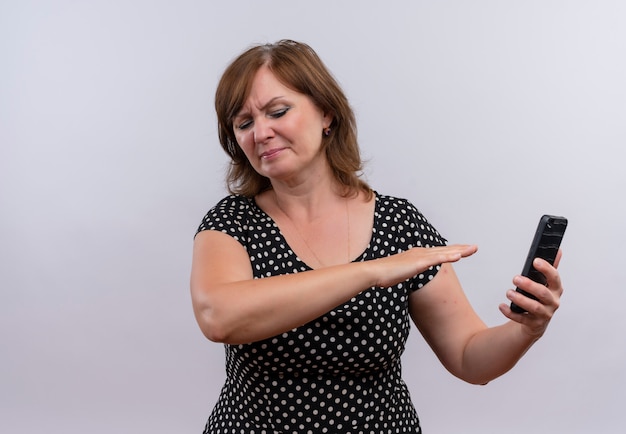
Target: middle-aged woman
x=309, y=277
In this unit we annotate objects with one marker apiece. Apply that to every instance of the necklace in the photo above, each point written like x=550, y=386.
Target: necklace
x=293, y=225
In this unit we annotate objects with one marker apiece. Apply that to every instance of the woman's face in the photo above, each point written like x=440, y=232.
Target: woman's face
x=280, y=130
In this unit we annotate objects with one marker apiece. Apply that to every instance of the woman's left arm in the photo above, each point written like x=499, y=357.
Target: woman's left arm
x=463, y=343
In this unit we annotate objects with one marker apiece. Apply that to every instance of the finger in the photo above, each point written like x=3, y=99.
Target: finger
x=456, y=252
x=557, y=260
x=469, y=250
x=531, y=325
x=553, y=278
x=538, y=290
x=547, y=299
x=464, y=250
x=524, y=300
x=521, y=318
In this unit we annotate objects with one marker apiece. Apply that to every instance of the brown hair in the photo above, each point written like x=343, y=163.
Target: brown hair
x=298, y=67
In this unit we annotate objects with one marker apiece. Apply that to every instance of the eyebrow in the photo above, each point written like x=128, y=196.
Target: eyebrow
x=242, y=113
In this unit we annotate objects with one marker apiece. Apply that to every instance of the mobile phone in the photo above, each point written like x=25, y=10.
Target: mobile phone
x=545, y=245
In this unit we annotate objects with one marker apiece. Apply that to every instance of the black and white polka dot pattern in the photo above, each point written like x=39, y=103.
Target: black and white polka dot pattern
x=340, y=373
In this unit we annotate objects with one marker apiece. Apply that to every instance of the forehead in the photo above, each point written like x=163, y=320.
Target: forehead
x=265, y=83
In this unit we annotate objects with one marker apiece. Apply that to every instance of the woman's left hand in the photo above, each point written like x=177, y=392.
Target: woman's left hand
x=539, y=312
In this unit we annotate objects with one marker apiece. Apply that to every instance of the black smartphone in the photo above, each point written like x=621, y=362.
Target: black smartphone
x=545, y=245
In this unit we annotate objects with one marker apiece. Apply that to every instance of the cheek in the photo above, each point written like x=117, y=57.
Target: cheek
x=246, y=144
x=244, y=141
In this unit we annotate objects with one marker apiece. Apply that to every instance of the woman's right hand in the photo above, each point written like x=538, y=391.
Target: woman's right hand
x=397, y=268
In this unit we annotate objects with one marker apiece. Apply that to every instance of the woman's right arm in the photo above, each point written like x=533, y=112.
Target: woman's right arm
x=233, y=307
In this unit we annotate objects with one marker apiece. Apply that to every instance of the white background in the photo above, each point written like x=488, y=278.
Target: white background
x=485, y=114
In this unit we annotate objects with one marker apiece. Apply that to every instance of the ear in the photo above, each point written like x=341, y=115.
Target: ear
x=327, y=120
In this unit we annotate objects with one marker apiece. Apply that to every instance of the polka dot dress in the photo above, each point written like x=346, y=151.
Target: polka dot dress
x=340, y=373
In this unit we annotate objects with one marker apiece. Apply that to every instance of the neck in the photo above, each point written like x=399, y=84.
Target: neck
x=308, y=203
x=303, y=220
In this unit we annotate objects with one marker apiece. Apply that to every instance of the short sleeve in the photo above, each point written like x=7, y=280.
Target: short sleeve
x=228, y=216
x=424, y=235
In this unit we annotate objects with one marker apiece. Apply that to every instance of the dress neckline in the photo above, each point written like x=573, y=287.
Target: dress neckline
x=359, y=258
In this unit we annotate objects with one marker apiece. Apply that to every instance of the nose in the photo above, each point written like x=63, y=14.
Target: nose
x=262, y=130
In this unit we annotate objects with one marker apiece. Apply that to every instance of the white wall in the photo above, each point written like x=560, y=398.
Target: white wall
x=485, y=114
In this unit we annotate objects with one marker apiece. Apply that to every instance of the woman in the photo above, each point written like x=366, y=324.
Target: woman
x=310, y=278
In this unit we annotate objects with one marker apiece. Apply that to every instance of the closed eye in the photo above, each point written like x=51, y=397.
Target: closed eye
x=244, y=124
x=279, y=113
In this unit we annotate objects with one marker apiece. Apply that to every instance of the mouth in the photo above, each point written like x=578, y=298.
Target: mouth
x=271, y=153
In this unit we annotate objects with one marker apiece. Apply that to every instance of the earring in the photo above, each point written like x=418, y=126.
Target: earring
x=326, y=131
